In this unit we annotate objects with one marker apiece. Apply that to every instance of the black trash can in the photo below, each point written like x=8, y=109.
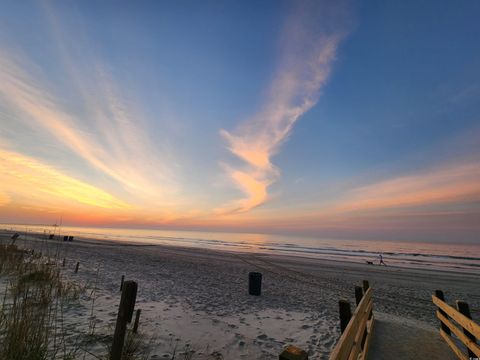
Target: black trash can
x=255, y=283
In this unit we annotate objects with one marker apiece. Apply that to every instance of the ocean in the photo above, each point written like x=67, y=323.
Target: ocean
x=418, y=255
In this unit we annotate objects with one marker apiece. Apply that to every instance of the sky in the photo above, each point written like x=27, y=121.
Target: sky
x=338, y=119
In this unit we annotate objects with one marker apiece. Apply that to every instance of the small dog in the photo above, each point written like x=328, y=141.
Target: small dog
x=369, y=262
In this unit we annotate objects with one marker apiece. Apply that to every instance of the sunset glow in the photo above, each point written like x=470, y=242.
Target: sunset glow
x=297, y=123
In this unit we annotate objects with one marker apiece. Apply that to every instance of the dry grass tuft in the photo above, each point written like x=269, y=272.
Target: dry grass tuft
x=32, y=307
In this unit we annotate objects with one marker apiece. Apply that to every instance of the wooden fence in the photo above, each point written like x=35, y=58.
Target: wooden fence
x=357, y=331
x=467, y=335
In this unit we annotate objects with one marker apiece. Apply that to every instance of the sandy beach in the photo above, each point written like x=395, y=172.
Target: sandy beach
x=197, y=300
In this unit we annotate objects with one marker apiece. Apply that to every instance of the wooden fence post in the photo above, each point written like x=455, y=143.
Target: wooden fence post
x=464, y=309
x=137, y=320
x=366, y=285
x=439, y=294
x=125, y=313
x=76, y=267
x=345, y=314
x=121, y=282
x=358, y=294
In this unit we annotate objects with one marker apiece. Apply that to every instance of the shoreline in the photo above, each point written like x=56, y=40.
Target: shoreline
x=290, y=257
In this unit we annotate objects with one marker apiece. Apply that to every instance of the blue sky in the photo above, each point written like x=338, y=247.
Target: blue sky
x=342, y=119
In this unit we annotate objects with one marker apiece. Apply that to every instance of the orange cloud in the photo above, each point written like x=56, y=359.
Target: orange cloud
x=255, y=188
x=304, y=69
x=446, y=184
x=37, y=184
x=4, y=199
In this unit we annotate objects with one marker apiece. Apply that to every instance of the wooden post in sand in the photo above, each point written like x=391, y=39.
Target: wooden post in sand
x=125, y=313
x=439, y=294
x=137, y=320
x=76, y=267
x=345, y=314
x=121, y=282
x=366, y=285
x=358, y=294
x=63, y=262
x=464, y=309
x=293, y=353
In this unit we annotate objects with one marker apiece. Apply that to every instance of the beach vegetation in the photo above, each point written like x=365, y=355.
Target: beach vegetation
x=32, y=307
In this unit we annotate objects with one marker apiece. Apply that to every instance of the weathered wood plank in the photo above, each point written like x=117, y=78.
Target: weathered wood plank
x=439, y=294
x=464, y=309
x=452, y=345
x=357, y=343
x=368, y=340
x=362, y=327
x=461, y=319
x=459, y=333
x=354, y=351
x=345, y=343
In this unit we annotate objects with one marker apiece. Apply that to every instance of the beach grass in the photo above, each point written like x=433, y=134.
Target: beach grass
x=31, y=311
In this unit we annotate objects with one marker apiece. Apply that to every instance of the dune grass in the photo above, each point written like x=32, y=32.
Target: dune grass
x=31, y=311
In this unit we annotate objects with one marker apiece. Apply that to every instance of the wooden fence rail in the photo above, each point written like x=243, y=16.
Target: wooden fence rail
x=468, y=333
x=356, y=337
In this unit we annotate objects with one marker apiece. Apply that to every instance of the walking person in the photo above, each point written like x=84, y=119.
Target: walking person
x=381, y=260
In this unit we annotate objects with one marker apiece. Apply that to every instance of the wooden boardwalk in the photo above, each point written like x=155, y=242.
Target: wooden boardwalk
x=396, y=339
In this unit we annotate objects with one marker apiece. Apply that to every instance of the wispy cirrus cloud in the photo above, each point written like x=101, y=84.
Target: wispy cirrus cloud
x=307, y=53
x=445, y=184
x=105, y=134
x=39, y=184
x=80, y=116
